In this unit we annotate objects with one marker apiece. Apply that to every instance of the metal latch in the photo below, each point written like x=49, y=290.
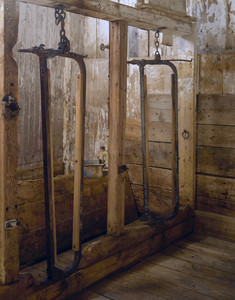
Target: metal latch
x=11, y=109
x=10, y=224
x=122, y=169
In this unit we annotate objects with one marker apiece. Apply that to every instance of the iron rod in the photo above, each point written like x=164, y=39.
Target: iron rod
x=175, y=161
x=47, y=164
x=143, y=134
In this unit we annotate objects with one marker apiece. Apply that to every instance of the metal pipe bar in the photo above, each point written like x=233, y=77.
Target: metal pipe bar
x=175, y=168
x=144, y=140
x=54, y=273
x=47, y=164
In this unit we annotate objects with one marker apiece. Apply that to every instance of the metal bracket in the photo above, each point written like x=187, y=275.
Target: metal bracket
x=103, y=47
x=10, y=224
x=122, y=169
x=11, y=109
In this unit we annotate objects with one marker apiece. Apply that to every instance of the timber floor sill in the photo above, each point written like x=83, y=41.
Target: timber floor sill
x=196, y=267
x=102, y=257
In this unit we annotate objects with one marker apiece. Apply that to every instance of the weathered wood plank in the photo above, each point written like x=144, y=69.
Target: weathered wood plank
x=216, y=187
x=215, y=225
x=216, y=73
x=160, y=178
x=111, y=11
x=222, y=281
x=160, y=201
x=187, y=122
x=215, y=283
x=31, y=213
x=207, y=249
x=177, y=6
x=180, y=279
x=160, y=154
x=217, y=206
x=9, y=261
x=221, y=245
x=215, y=109
x=216, y=161
x=156, y=115
x=117, y=119
x=37, y=172
x=216, y=136
x=194, y=257
x=115, y=260
x=157, y=131
x=160, y=132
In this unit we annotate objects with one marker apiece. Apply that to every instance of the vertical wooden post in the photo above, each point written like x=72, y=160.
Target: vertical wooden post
x=9, y=249
x=118, y=78
x=187, y=124
x=78, y=168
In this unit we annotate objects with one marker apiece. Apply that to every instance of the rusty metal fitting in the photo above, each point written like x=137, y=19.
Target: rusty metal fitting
x=11, y=109
x=103, y=47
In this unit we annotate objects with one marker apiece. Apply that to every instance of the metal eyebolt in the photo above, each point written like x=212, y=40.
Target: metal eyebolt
x=103, y=47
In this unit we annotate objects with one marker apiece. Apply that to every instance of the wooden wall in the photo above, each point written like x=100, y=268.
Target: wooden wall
x=37, y=26
x=159, y=140
x=216, y=134
x=31, y=212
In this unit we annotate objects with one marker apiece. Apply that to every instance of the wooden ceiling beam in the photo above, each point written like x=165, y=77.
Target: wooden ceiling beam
x=111, y=11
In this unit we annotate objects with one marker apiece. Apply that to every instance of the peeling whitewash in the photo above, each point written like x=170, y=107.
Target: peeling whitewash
x=216, y=22
x=86, y=34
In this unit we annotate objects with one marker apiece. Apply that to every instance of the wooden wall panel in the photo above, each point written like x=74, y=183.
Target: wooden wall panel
x=33, y=30
x=31, y=213
x=216, y=136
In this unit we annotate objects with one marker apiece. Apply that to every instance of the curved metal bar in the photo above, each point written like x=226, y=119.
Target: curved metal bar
x=54, y=273
x=175, y=184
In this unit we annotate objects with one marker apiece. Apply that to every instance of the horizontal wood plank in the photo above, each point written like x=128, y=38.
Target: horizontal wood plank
x=216, y=136
x=216, y=161
x=216, y=109
x=160, y=154
x=111, y=11
x=157, y=131
x=123, y=255
x=159, y=178
x=216, y=279
x=180, y=279
x=218, y=206
x=216, y=187
x=215, y=225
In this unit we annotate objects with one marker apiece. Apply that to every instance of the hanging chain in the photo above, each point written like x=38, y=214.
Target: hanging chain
x=157, y=53
x=60, y=15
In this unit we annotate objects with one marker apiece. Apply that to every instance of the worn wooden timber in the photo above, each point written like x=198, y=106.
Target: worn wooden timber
x=215, y=225
x=117, y=116
x=187, y=124
x=108, y=254
x=9, y=261
x=215, y=146
x=165, y=21
x=31, y=213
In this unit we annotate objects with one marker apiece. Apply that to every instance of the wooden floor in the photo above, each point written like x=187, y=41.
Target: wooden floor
x=194, y=268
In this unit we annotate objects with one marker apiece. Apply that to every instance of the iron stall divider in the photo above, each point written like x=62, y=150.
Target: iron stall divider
x=175, y=148
x=54, y=273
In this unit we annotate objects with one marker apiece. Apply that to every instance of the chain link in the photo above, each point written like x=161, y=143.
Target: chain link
x=60, y=15
x=157, y=53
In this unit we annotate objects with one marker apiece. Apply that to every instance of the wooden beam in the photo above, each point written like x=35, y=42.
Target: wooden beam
x=78, y=181
x=187, y=124
x=107, y=254
x=112, y=11
x=118, y=81
x=215, y=225
x=9, y=262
